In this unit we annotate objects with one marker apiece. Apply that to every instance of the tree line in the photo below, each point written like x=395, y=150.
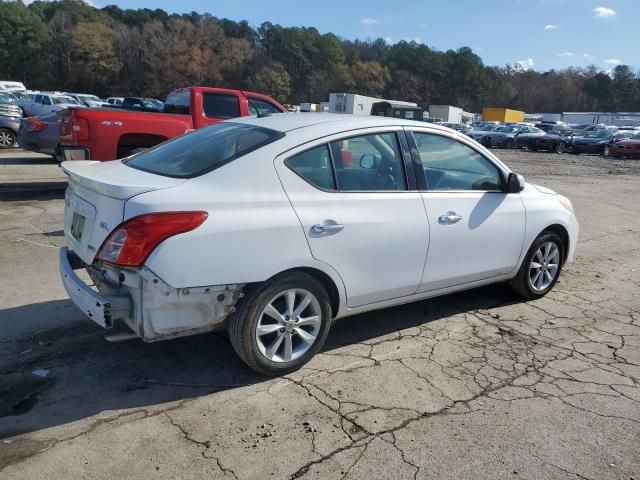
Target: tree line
x=69, y=45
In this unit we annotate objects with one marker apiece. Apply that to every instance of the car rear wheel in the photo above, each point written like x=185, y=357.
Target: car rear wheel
x=541, y=267
x=281, y=324
x=605, y=151
x=509, y=143
x=7, y=138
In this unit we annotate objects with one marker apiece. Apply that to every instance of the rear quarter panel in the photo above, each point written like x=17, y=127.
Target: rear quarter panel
x=251, y=234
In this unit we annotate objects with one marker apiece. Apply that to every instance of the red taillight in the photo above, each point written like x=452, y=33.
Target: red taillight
x=34, y=125
x=80, y=128
x=131, y=243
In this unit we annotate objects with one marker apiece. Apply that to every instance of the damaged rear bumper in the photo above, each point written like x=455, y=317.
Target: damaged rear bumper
x=151, y=308
x=101, y=309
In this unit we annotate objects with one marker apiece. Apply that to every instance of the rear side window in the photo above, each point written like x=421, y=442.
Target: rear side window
x=202, y=151
x=220, y=106
x=315, y=167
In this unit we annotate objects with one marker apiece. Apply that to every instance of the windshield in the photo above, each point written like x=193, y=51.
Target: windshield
x=559, y=131
x=597, y=134
x=7, y=97
x=58, y=99
x=488, y=128
x=203, y=150
x=93, y=98
x=508, y=129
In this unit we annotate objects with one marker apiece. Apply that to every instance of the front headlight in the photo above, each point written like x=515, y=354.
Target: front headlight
x=566, y=203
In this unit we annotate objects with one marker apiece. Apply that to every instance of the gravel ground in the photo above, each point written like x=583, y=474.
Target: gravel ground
x=476, y=385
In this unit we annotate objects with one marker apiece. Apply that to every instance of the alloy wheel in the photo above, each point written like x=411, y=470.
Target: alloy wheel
x=605, y=151
x=543, y=268
x=7, y=139
x=288, y=325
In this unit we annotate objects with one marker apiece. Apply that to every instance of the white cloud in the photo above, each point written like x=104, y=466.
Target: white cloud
x=389, y=40
x=587, y=56
x=423, y=25
x=368, y=21
x=551, y=27
x=613, y=61
x=566, y=54
x=603, y=12
x=526, y=64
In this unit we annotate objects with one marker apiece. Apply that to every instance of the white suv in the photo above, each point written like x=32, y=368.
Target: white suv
x=273, y=227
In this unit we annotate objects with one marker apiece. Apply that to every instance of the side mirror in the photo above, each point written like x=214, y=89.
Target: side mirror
x=368, y=161
x=515, y=183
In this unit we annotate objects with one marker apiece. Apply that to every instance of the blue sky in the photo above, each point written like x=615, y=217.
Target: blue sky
x=542, y=34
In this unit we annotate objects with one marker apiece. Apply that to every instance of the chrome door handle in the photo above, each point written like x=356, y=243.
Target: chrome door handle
x=328, y=226
x=449, y=218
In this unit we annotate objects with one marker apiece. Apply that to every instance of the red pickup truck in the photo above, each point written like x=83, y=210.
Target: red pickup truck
x=107, y=134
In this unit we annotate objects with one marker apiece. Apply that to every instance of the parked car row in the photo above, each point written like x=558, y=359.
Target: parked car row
x=559, y=137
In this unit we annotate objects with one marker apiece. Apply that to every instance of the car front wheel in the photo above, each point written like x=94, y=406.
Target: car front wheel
x=541, y=267
x=281, y=324
x=560, y=147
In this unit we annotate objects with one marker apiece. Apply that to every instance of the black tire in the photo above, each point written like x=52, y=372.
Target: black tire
x=533, y=149
x=7, y=138
x=559, y=148
x=521, y=284
x=509, y=143
x=243, y=323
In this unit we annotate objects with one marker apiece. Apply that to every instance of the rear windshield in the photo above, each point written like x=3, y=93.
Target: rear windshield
x=199, y=152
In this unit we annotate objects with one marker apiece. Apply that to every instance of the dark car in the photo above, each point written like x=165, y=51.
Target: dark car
x=548, y=126
x=627, y=148
x=140, y=104
x=40, y=134
x=557, y=140
x=9, y=127
x=459, y=127
x=478, y=132
x=508, y=135
x=596, y=141
x=10, y=115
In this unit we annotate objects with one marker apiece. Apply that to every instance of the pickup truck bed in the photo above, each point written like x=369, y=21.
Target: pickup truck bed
x=107, y=134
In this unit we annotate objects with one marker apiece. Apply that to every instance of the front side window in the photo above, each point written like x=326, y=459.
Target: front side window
x=369, y=163
x=220, y=106
x=315, y=167
x=451, y=165
x=261, y=107
x=203, y=150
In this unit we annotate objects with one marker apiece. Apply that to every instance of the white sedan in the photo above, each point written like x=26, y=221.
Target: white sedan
x=273, y=227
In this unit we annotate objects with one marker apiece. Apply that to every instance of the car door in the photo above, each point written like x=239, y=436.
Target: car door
x=35, y=106
x=360, y=212
x=476, y=230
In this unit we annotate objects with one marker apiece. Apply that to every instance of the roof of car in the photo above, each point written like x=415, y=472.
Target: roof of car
x=285, y=122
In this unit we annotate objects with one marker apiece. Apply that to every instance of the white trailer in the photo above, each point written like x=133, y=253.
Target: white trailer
x=351, y=103
x=448, y=113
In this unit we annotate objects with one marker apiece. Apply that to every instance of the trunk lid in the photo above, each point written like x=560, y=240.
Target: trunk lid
x=95, y=199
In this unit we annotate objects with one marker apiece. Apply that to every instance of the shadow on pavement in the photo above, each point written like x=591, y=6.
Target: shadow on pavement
x=43, y=191
x=39, y=160
x=87, y=375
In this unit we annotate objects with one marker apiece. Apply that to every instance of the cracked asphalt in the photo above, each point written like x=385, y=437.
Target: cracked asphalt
x=475, y=385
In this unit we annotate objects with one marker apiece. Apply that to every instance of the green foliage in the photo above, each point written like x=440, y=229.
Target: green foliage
x=70, y=45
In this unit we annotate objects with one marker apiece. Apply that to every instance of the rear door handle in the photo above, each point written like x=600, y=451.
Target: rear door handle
x=326, y=227
x=449, y=218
